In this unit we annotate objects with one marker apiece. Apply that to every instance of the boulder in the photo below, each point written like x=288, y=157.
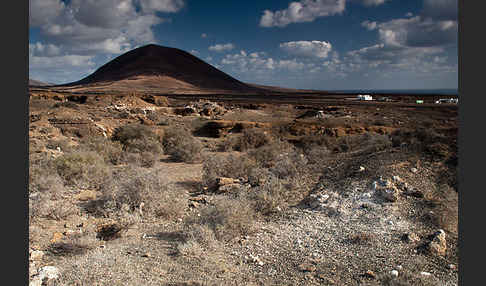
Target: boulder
x=438, y=244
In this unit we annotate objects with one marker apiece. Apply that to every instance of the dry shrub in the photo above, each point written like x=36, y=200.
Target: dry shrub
x=137, y=138
x=135, y=186
x=269, y=196
x=62, y=143
x=289, y=165
x=42, y=176
x=316, y=154
x=227, y=218
x=40, y=103
x=252, y=138
x=221, y=165
x=365, y=143
x=67, y=104
x=72, y=245
x=82, y=169
x=266, y=155
x=112, y=151
x=47, y=200
x=182, y=146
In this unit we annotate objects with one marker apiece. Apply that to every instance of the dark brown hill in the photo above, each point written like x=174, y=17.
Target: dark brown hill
x=158, y=67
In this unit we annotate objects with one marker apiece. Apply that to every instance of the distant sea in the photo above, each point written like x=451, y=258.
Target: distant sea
x=443, y=91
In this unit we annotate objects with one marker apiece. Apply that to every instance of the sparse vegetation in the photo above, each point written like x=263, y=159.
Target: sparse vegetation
x=268, y=193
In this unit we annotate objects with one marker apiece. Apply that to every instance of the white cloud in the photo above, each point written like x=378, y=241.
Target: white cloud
x=307, y=11
x=418, y=32
x=302, y=11
x=222, y=47
x=48, y=50
x=409, y=14
x=373, y=2
x=204, y=35
x=161, y=5
x=43, y=11
x=194, y=52
x=369, y=25
x=60, y=61
x=319, y=49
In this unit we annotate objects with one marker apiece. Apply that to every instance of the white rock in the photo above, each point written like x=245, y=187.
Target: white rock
x=36, y=255
x=394, y=273
x=414, y=170
x=45, y=273
x=425, y=273
x=361, y=168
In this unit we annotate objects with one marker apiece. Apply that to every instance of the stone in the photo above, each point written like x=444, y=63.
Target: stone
x=36, y=255
x=222, y=181
x=425, y=273
x=451, y=266
x=394, y=273
x=438, y=244
x=361, y=168
x=307, y=267
x=44, y=275
x=414, y=170
x=86, y=195
x=56, y=237
x=388, y=194
x=369, y=274
x=411, y=237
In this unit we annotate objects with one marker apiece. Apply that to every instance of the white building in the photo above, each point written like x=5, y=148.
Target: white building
x=448, y=100
x=364, y=97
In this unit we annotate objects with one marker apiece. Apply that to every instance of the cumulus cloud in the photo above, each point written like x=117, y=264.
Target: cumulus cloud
x=308, y=11
x=41, y=12
x=44, y=50
x=319, y=49
x=418, y=32
x=302, y=11
x=259, y=63
x=81, y=29
x=106, y=26
x=204, y=35
x=221, y=47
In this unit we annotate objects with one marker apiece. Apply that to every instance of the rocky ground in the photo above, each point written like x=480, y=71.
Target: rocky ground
x=358, y=215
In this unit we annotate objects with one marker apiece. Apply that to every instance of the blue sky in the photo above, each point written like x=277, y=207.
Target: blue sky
x=318, y=44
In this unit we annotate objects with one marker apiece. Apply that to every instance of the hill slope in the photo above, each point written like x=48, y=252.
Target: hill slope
x=163, y=69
